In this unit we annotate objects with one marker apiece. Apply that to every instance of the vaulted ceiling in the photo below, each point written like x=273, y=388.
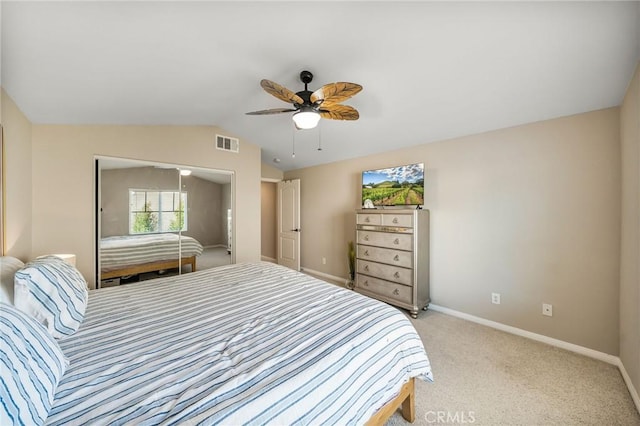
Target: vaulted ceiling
x=430, y=70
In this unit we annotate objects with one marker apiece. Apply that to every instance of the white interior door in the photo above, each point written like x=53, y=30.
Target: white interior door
x=289, y=223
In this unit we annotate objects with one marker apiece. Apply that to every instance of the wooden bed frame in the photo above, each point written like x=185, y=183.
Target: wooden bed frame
x=149, y=267
x=406, y=399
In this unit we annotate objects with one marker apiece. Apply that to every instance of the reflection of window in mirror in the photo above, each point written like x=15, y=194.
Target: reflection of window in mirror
x=153, y=211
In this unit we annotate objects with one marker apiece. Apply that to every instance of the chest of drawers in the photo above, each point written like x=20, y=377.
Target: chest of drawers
x=392, y=257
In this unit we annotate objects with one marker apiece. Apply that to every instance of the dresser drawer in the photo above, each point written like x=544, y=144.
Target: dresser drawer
x=397, y=220
x=386, y=272
x=368, y=219
x=395, y=291
x=386, y=239
x=385, y=255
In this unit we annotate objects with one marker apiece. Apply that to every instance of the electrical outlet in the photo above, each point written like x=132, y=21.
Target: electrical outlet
x=547, y=309
x=324, y=260
x=495, y=298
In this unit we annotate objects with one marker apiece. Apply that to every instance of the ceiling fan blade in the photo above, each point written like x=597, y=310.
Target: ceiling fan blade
x=334, y=93
x=280, y=92
x=271, y=111
x=339, y=112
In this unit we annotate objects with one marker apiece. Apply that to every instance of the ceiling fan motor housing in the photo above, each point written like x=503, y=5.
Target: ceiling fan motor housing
x=306, y=77
x=306, y=97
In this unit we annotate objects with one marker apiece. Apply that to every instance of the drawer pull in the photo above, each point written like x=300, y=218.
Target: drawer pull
x=395, y=220
x=366, y=252
x=366, y=283
x=366, y=238
x=396, y=241
x=396, y=257
x=396, y=292
x=396, y=275
x=366, y=219
x=366, y=268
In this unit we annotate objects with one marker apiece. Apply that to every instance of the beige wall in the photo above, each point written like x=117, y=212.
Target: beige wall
x=630, y=254
x=207, y=223
x=269, y=225
x=17, y=192
x=270, y=173
x=63, y=180
x=531, y=212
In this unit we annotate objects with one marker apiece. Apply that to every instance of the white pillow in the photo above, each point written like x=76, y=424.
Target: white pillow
x=8, y=267
x=32, y=365
x=54, y=292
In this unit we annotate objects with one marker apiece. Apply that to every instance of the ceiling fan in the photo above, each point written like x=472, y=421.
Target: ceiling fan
x=309, y=106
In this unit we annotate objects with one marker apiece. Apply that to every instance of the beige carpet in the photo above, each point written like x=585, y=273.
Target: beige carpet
x=488, y=377
x=212, y=257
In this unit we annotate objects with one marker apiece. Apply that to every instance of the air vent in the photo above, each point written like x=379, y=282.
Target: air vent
x=226, y=143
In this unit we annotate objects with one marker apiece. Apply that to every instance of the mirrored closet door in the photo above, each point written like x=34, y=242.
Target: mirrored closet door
x=155, y=220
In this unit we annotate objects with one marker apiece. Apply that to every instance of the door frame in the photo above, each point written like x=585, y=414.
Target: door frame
x=294, y=233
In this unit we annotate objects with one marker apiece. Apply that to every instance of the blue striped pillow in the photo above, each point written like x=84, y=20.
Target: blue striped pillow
x=31, y=364
x=53, y=292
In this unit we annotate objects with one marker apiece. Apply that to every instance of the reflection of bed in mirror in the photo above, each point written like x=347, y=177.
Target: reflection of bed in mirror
x=136, y=254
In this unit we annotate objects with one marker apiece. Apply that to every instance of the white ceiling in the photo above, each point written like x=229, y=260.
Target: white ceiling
x=430, y=70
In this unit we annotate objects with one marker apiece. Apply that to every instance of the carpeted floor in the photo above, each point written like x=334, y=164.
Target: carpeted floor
x=212, y=257
x=485, y=376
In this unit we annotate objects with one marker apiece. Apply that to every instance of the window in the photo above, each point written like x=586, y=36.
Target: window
x=153, y=211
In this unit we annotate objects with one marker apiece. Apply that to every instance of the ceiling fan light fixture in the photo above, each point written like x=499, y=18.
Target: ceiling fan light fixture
x=306, y=119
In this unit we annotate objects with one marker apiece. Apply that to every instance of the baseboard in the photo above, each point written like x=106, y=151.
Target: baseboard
x=591, y=353
x=215, y=246
x=341, y=280
x=268, y=259
x=627, y=380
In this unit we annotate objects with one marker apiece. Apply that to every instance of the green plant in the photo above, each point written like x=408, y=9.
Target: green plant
x=177, y=223
x=351, y=254
x=145, y=221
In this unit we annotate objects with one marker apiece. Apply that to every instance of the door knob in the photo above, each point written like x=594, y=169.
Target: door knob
x=296, y=230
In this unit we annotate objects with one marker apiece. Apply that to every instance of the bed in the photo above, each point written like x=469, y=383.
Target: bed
x=251, y=344
x=135, y=254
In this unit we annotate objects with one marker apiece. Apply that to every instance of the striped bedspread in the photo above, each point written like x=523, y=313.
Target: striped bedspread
x=128, y=250
x=251, y=343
